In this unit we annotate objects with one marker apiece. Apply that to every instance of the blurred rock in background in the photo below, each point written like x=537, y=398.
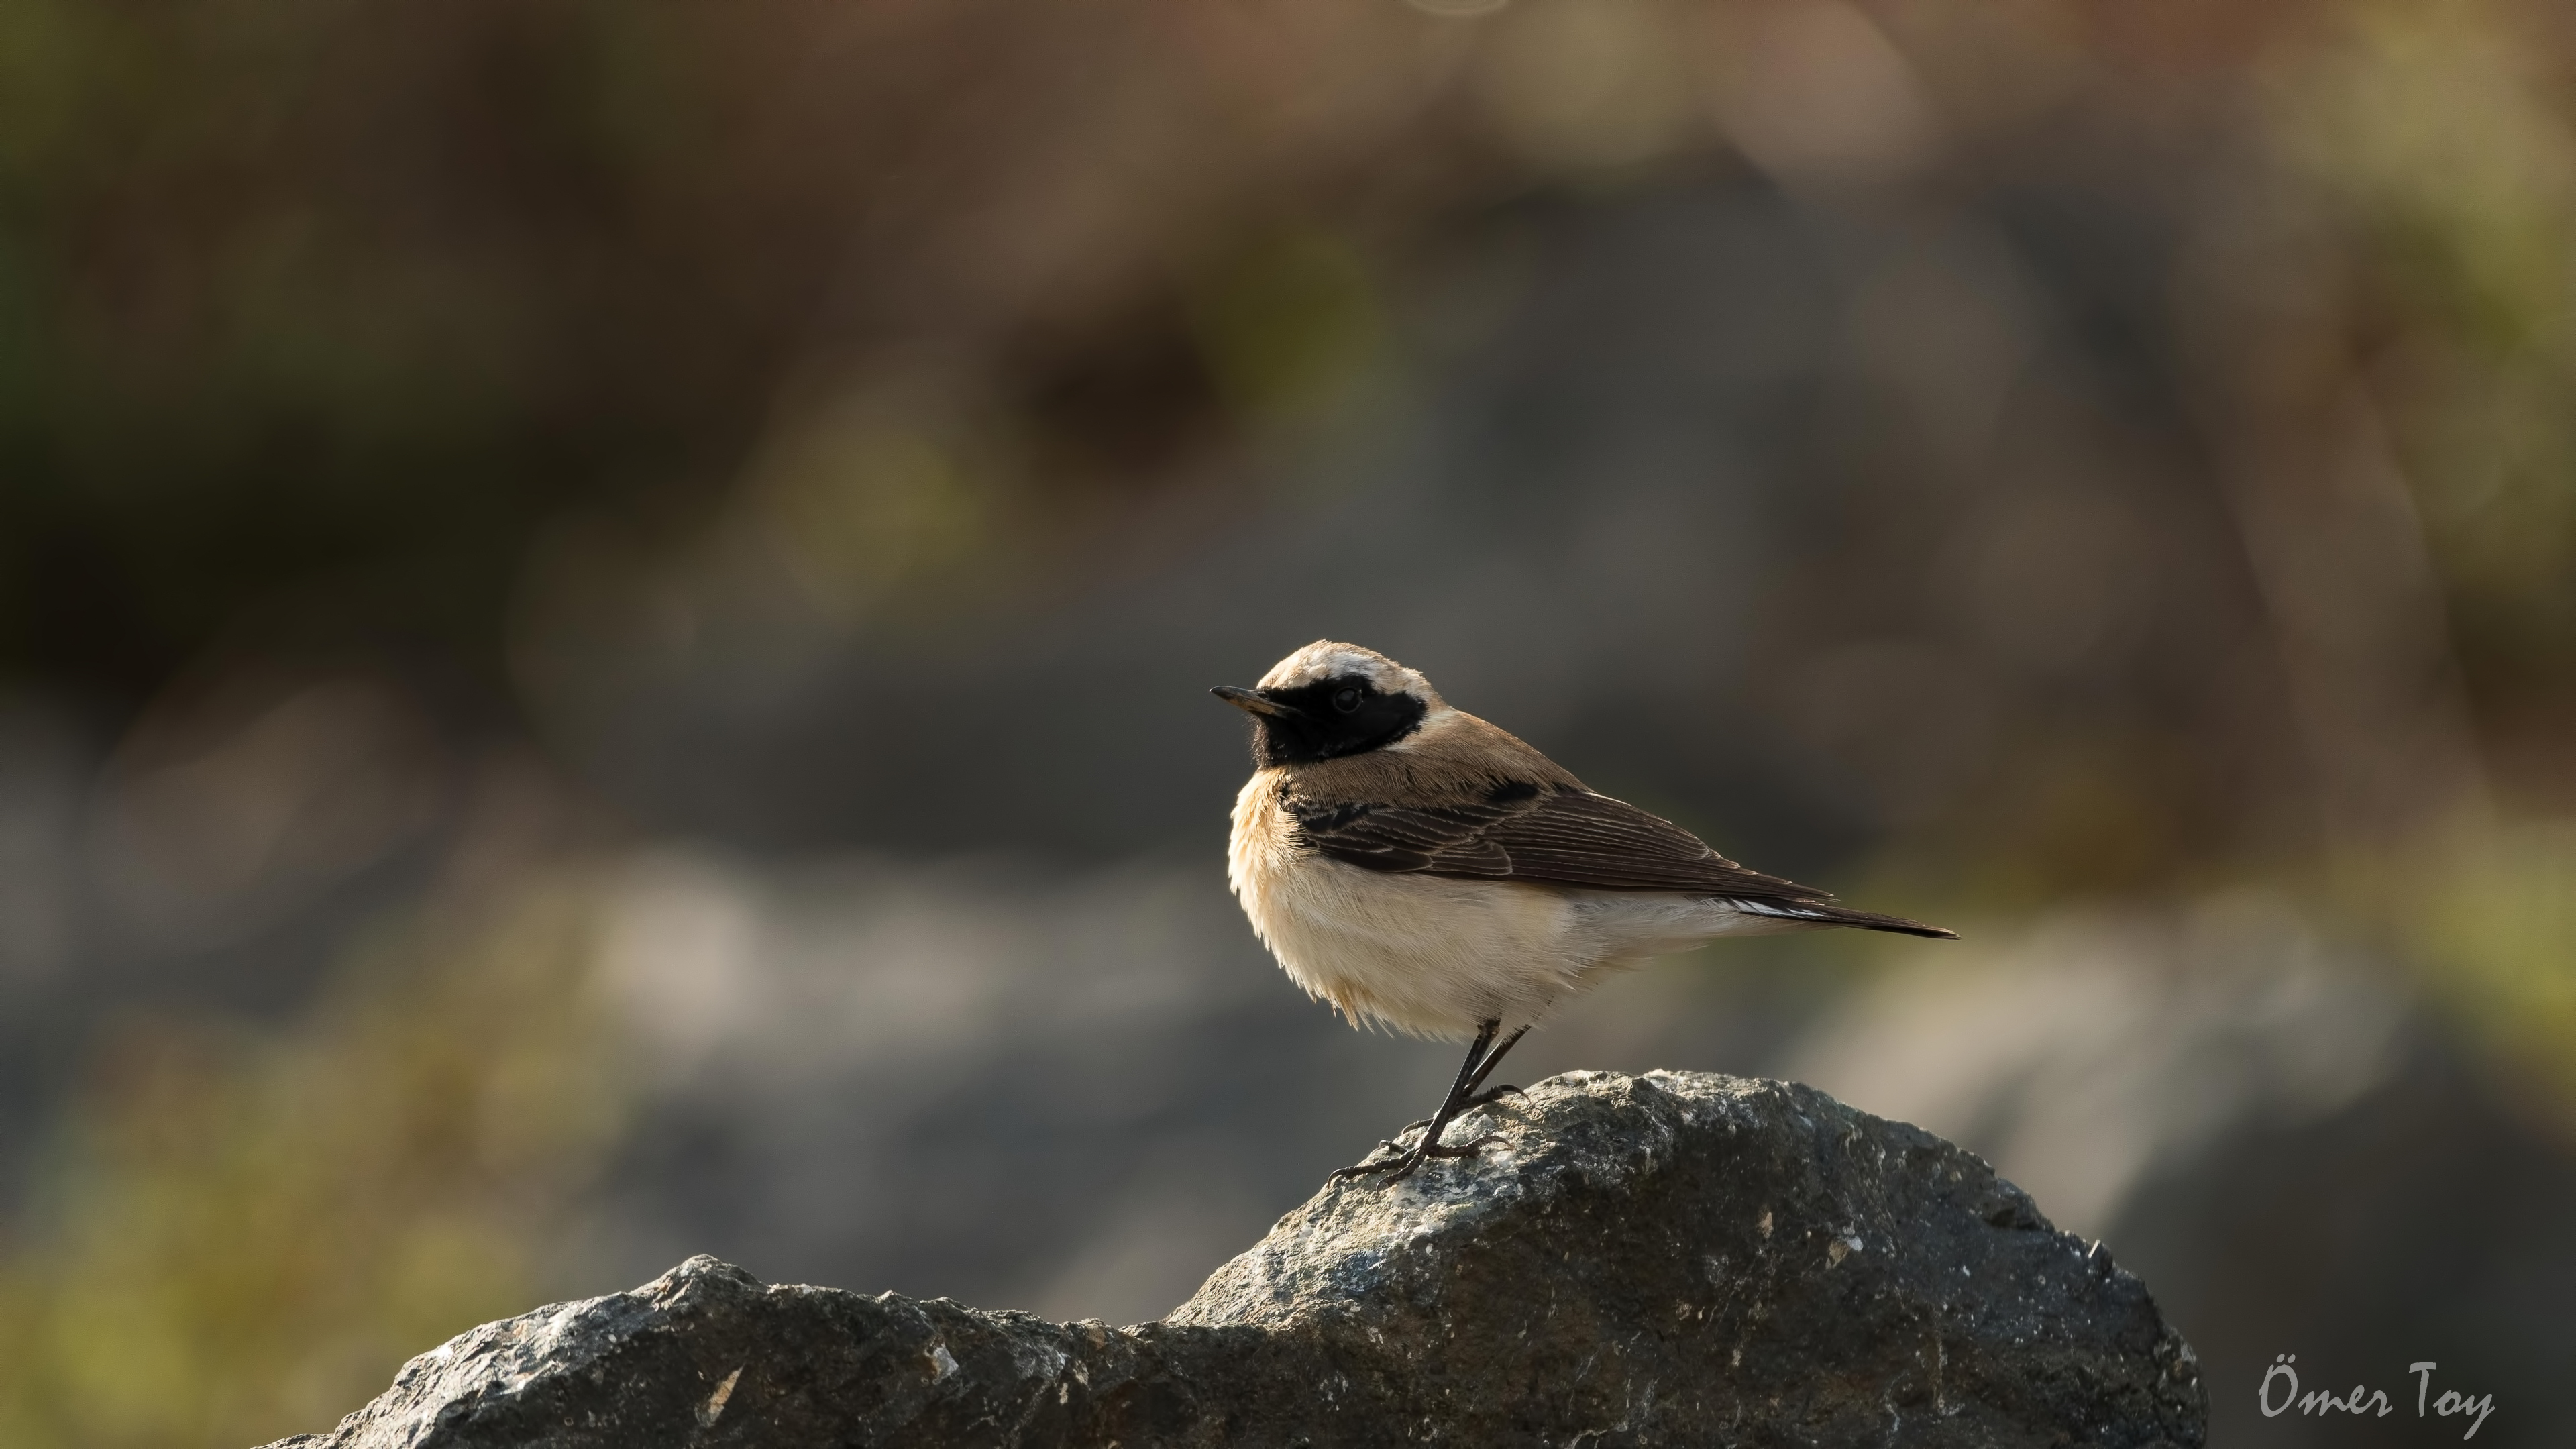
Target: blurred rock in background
x=604, y=609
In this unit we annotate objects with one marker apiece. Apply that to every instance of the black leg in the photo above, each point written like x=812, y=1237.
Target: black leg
x=1469, y=1075
x=1466, y=1078
x=1485, y=1069
x=1475, y=1098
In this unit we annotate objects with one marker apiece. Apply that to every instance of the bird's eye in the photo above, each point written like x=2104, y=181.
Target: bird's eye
x=1346, y=700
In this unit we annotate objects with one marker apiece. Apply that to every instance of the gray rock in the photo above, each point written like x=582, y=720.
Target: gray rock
x=1667, y=1259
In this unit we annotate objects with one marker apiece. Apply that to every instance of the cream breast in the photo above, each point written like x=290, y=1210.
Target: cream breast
x=1426, y=955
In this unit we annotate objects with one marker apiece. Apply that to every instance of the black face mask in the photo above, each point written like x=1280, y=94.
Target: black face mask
x=1331, y=718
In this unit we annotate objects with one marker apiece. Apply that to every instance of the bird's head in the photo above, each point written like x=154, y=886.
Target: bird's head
x=1328, y=700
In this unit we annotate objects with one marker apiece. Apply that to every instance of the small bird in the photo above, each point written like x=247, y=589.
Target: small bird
x=1424, y=870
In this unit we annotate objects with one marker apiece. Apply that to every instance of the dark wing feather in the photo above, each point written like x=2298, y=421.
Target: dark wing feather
x=1439, y=840
x=1569, y=838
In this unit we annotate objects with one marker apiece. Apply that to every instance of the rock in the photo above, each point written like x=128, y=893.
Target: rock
x=1672, y=1258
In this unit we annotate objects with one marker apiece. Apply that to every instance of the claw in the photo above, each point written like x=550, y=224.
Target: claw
x=1404, y=1162
x=1360, y=1169
x=1396, y=1143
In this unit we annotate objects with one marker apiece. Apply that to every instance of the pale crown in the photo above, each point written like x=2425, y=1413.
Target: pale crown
x=1325, y=659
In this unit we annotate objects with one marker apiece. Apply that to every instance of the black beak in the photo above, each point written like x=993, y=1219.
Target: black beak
x=1251, y=701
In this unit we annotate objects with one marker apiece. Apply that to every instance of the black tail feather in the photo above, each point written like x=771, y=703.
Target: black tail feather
x=1825, y=913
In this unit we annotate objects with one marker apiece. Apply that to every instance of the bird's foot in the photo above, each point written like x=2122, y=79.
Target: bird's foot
x=1406, y=1160
x=1485, y=1098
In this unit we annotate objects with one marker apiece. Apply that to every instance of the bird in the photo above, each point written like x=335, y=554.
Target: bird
x=1423, y=870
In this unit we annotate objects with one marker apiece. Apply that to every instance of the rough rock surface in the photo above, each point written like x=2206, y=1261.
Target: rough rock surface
x=1667, y=1259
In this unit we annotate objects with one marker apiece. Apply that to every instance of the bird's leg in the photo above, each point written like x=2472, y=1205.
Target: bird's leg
x=1466, y=1079
x=1485, y=1069
x=1475, y=1098
x=1403, y=1163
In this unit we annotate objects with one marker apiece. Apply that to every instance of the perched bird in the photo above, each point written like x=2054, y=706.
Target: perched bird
x=1420, y=868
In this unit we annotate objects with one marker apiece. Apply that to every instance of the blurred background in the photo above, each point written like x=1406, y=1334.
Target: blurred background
x=604, y=609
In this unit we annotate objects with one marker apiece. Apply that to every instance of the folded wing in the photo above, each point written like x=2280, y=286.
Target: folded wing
x=1567, y=838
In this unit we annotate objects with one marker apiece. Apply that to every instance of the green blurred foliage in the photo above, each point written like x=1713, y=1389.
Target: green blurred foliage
x=2489, y=924
x=293, y=314
x=1286, y=323
x=319, y=315
x=248, y=1235
x=2445, y=136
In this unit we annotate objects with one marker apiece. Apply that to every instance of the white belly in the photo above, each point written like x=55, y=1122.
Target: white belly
x=1435, y=956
